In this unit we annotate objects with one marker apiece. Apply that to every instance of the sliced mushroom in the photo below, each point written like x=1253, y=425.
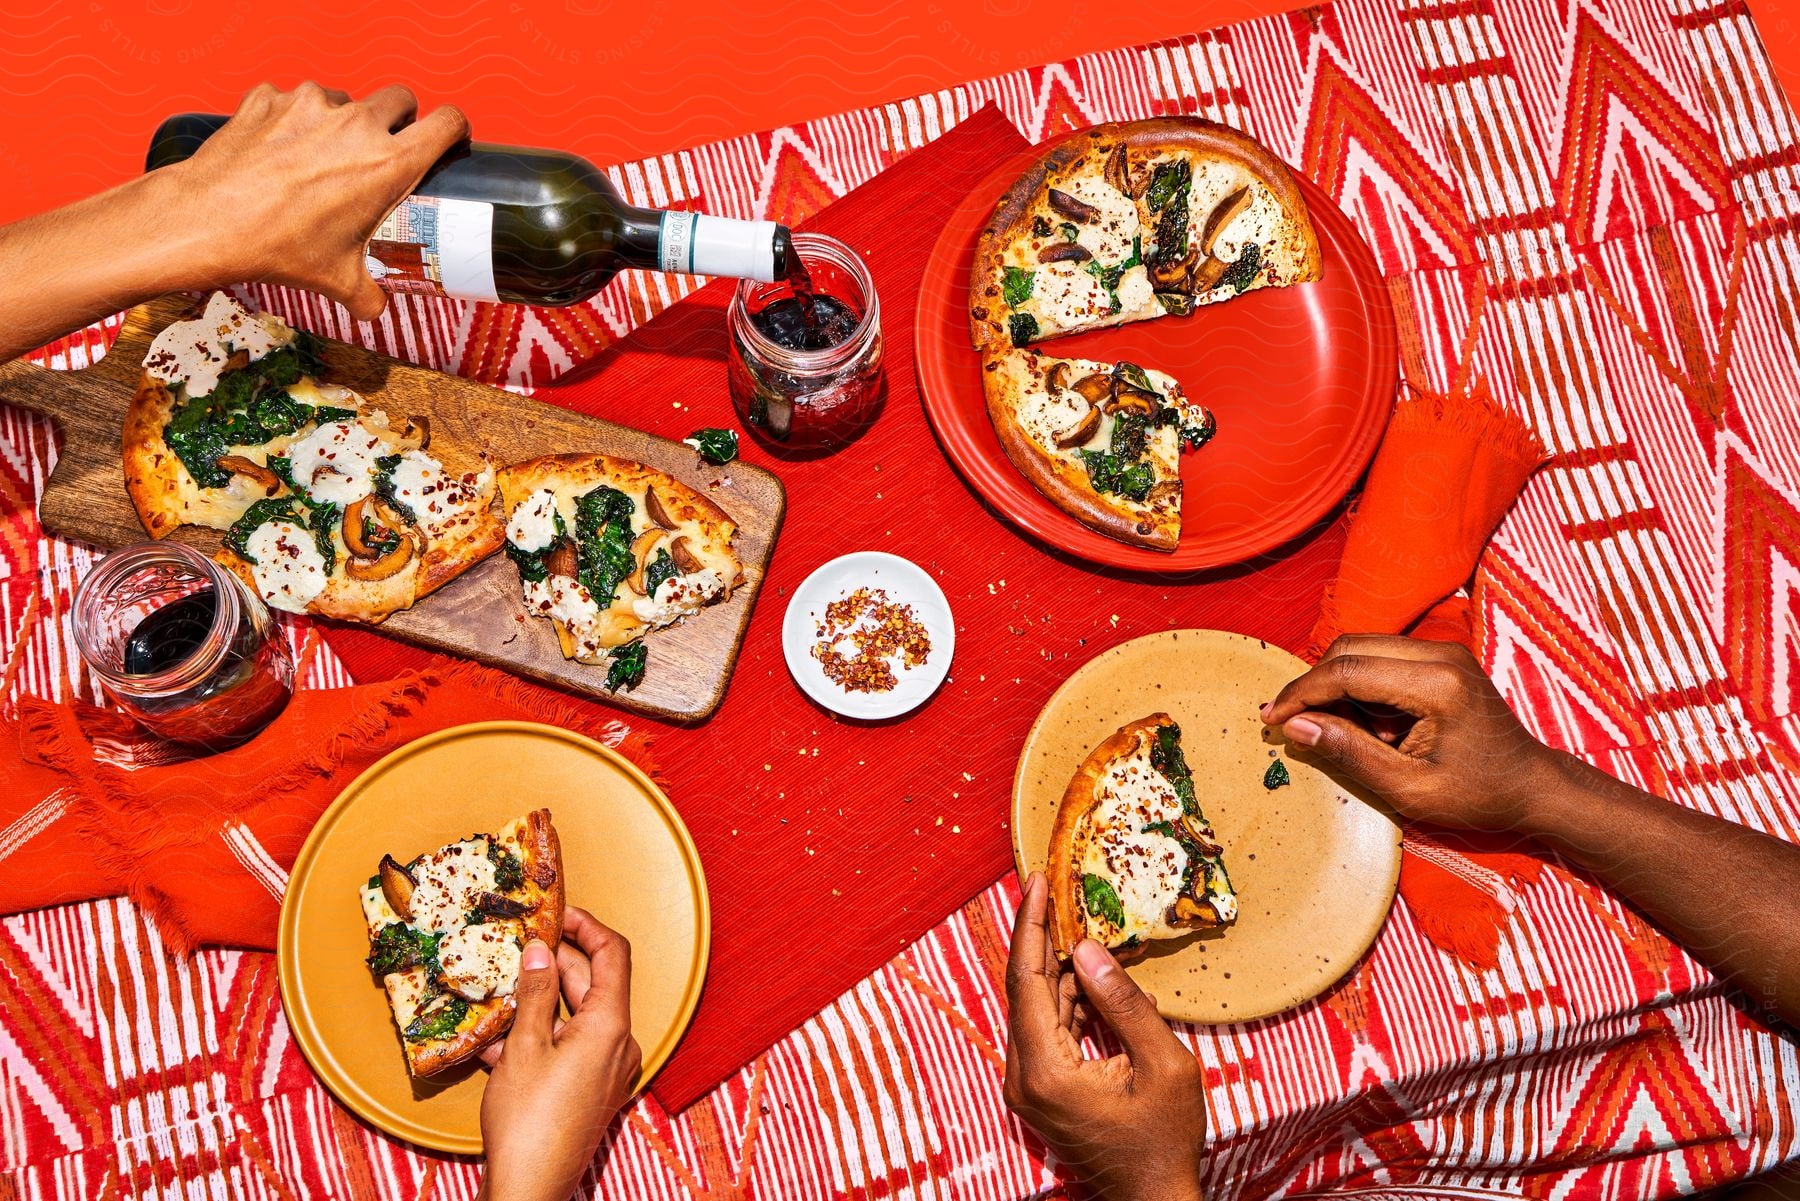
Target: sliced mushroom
x=1207, y=275
x=381, y=568
x=1095, y=388
x=1064, y=252
x=1082, y=430
x=1173, y=276
x=1132, y=399
x=1118, y=169
x=1070, y=207
x=1222, y=215
x=653, y=507
x=397, y=886
x=1057, y=378
x=1168, y=490
x=417, y=433
x=359, y=514
x=640, y=550
x=495, y=905
x=1187, y=909
x=684, y=558
x=256, y=473
x=562, y=560
x=1196, y=829
x=236, y=361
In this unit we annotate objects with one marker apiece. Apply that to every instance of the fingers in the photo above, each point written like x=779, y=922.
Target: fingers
x=534, y=1023
x=1116, y=997
x=1031, y=986
x=577, y=974
x=1419, y=688
x=608, y=996
x=393, y=106
x=1393, y=646
x=361, y=294
x=425, y=140
x=1352, y=751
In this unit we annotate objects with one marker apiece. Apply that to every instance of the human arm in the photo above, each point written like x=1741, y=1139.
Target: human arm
x=557, y=1085
x=1131, y=1126
x=1458, y=757
x=287, y=192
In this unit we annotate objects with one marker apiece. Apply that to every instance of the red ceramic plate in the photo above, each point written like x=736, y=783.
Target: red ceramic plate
x=1301, y=380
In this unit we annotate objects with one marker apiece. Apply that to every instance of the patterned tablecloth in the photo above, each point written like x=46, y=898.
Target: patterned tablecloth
x=1590, y=203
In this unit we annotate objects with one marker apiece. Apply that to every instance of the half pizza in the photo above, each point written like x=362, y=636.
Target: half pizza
x=446, y=930
x=1132, y=858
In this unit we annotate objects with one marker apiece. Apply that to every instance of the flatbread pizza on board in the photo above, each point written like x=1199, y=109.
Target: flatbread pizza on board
x=609, y=550
x=1132, y=857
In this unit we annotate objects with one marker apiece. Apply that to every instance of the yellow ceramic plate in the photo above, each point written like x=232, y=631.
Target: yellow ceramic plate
x=1315, y=868
x=626, y=857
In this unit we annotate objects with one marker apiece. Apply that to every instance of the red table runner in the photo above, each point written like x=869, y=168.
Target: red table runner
x=830, y=845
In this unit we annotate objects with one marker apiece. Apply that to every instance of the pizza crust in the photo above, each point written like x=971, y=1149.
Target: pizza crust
x=1062, y=875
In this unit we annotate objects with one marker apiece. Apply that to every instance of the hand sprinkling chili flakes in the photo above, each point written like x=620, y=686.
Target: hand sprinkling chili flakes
x=880, y=631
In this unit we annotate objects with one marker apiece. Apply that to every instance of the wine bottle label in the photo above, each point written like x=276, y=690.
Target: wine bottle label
x=435, y=246
x=695, y=244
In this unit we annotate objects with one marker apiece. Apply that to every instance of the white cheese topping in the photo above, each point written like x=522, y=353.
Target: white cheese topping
x=1108, y=236
x=678, y=596
x=1259, y=223
x=336, y=462
x=448, y=883
x=1046, y=416
x=1144, y=868
x=481, y=961
x=288, y=568
x=561, y=597
x=533, y=523
x=1068, y=295
x=1135, y=290
x=432, y=496
x=194, y=352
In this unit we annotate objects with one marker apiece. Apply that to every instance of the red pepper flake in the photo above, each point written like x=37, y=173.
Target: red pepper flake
x=880, y=630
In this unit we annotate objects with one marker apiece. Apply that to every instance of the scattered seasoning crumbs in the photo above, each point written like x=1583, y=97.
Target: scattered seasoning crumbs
x=880, y=630
x=1276, y=776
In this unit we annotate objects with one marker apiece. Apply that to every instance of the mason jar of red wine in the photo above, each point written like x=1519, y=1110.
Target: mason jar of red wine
x=528, y=226
x=182, y=646
x=805, y=360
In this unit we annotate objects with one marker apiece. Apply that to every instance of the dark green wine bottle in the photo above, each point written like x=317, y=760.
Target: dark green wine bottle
x=528, y=226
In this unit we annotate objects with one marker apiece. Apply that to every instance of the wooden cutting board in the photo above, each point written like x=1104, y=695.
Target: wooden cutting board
x=477, y=615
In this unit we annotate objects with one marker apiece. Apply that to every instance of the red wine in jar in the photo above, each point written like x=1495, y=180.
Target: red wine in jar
x=170, y=635
x=806, y=319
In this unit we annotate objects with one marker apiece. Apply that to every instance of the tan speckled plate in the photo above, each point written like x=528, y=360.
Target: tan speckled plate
x=627, y=859
x=1315, y=868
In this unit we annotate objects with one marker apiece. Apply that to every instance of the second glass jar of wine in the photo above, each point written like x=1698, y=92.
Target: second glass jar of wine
x=805, y=360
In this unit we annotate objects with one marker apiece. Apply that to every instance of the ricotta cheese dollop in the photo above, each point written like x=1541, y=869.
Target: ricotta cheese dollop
x=533, y=523
x=448, y=883
x=678, y=596
x=286, y=564
x=430, y=494
x=194, y=352
x=1108, y=236
x=481, y=961
x=336, y=462
x=1047, y=416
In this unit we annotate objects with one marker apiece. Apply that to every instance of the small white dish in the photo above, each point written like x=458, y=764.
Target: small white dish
x=905, y=583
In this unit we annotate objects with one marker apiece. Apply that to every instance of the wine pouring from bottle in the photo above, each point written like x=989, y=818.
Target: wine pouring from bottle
x=529, y=226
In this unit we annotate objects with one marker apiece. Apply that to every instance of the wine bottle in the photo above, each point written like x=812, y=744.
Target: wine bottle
x=528, y=226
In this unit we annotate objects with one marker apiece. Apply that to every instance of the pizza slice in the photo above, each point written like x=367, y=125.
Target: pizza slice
x=1131, y=855
x=1102, y=441
x=446, y=930
x=609, y=550
x=1129, y=222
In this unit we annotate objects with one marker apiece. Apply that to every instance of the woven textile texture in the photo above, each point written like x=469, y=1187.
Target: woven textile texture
x=1588, y=205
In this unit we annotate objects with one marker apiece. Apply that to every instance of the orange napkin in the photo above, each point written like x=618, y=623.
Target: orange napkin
x=92, y=807
x=1449, y=468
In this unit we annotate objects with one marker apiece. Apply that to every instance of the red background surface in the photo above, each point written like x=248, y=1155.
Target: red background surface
x=84, y=82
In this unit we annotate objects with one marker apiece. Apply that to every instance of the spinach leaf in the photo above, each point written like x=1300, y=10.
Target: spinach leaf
x=1130, y=435
x=1040, y=228
x=1195, y=434
x=1168, y=179
x=325, y=414
x=661, y=568
x=1166, y=757
x=1109, y=277
x=1109, y=473
x=275, y=508
x=399, y=946
x=509, y=873
x=531, y=565
x=384, y=486
x=1136, y=376
x=1276, y=776
x=603, y=555
x=247, y=407
x=627, y=670
x=716, y=446
x=439, y=1019
x=1069, y=230
x=322, y=518
x=1101, y=901
x=1242, y=274
x=1023, y=327
x=283, y=469
x=1017, y=284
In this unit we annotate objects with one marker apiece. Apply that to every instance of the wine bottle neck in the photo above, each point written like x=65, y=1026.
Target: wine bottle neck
x=698, y=244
